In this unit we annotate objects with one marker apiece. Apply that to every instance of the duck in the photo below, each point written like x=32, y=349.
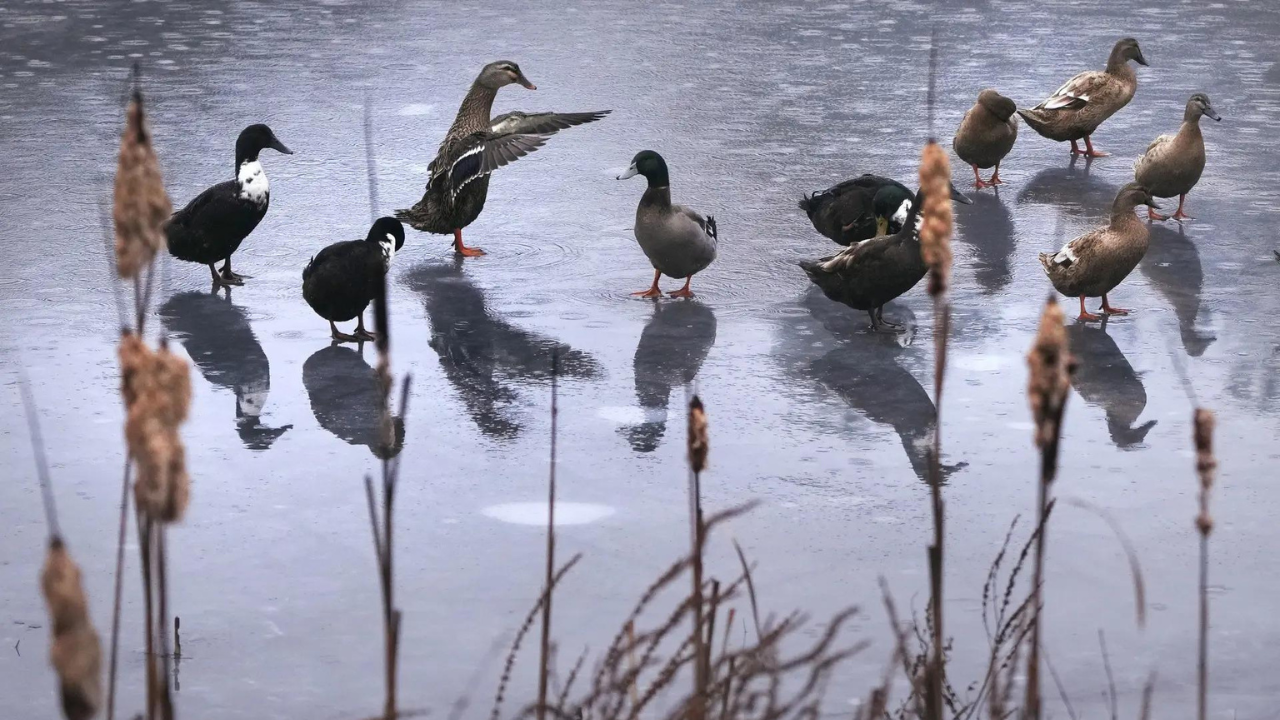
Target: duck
x=986, y=135
x=1172, y=164
x=212, y=226
x=678, y=241
x=476, y=145
x=1075, y=110
x=343, y=278
x=1093, y=264
x=873, y=272
x=861, y=208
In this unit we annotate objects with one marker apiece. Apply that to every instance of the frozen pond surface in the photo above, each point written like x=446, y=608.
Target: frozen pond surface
x=752, y=104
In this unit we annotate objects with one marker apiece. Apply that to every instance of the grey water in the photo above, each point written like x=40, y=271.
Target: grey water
x=753, y=104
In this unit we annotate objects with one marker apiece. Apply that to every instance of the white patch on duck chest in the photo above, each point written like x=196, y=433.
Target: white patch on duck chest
x=253, y=183
x=388, y=249
x=900, y=215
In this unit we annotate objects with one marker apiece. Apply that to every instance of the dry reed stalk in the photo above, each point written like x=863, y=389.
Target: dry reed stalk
x=698, y=447
x=75, y=651
x=1206, y=465
x=141, y=204
x=935, y=248
x=157, y=393
x=1049, y=383
x=544, y=657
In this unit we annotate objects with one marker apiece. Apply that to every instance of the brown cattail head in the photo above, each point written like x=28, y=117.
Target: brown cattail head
x=141, y=203
x=698, y=442
x=76, y=653
x=936, y=221
x=1206, y=464
x=1051, y=366
x=157, y=392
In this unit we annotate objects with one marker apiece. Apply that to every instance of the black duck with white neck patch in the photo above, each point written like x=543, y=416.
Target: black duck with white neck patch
x=212, y=226
x=474, y=147
x=342, y=279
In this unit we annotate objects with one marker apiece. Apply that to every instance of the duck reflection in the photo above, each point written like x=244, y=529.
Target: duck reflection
x=346, y=399
x=987, y=227
x=1172, y=264
x=1072, y=188
x=483, y=356
x=220, y=341
x=863, y=371
x=672, y=348
x=1106, y=380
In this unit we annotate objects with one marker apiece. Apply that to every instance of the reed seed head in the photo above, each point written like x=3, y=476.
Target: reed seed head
x=936, y=220
x=76, y=653
x=698, y=441
x=1051, y=366
x=157, y=392
x=141, y=204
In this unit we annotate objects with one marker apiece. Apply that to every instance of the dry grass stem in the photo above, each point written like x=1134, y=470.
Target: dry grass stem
x=1206, y=465
x=75, y=653
x=141, y=204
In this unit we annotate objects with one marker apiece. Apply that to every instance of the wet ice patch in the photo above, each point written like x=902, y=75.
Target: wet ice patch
x=621, y=415
x=982, y=363
x=416, y=109
x=535, y=513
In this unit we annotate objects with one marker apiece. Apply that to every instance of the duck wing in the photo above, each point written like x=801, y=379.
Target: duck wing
x=1154, y=153
x=1076, y=92
x=708, y=223
x=477, y=156
x=1082, y=246
x=518, y=123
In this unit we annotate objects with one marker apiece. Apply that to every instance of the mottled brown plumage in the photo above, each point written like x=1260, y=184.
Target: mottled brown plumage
x=1093, y=264
x=986, y=135
x=1172, y=164
x=1075, y=110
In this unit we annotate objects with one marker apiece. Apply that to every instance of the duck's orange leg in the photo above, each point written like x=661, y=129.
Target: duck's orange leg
x=652, y=292
x=1153, y=215
x=1107, y=309
x=1085, y=315
x=978, y=182
x=1181, y=214
x=683, y=292
x=463, y=250
x=1090, y=152
x=1075, y=149
x=995, y=177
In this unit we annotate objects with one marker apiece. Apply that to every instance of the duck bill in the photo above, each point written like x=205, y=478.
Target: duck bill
x=1141, y=60
x=279, y=146
x=524, y=82
x=1153, y=204
x=1210, y=112
x=630, y=173
x=959, y=196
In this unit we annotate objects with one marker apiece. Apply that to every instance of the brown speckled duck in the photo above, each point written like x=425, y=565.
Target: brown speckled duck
x=1172, y=164
x=1093, y=264
x=1075, y=110
x=986, y=135
x=474, y=147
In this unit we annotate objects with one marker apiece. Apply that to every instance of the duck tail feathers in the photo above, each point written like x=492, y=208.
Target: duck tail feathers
x=711, y=228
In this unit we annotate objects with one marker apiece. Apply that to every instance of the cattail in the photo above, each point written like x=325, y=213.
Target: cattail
x=1205, y=466
x=697, y=435
x=141, y=204
x=935, y=228
x=157, y=391
x=76, y=653
x=1051, y=365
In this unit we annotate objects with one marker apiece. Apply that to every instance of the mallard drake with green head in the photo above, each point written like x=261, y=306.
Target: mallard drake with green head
x=474, y=147
x=1093, y=264
x=865, y=207
x=986, y=135
x=871, y=273
x=1075, y=110
x=1172, y=164
x=678, y=241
